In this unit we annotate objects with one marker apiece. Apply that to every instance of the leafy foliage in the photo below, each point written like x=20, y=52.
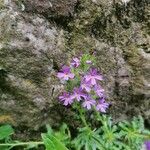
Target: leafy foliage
x=53, y=142
x=5, y=131
x=122, y=136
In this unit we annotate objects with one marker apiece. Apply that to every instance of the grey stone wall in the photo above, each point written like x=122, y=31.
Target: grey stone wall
x=36, y=37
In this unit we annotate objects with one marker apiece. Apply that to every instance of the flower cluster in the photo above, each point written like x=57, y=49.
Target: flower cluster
x=87, y=89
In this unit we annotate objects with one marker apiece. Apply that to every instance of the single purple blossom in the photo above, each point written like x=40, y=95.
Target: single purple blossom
x=93, y=76
x=102, y=105
x=147, y=145
x=88, y=103
x=65, y=73
x=66, y=98
x=75, y=62
x=85, y=86
x=99, y=90
x=78, y=94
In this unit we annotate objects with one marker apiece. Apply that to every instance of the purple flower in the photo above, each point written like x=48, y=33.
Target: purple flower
x=88, y=103
x=66, y=98
x=147, y=145
x=65, y=73
x=85, y=86
x=99, y=90
x=78, y=94
x=93, y=76
x=75, y=62
x=102, y=105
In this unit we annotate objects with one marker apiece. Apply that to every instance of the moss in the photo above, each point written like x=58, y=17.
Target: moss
x=133, y=57
x=136, y=61
x=79, y=28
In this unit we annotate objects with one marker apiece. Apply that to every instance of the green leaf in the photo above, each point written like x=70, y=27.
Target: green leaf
x=52, y=143
x=4, y=148
x=58, y=145
x=49, y=129
x=63, y=134
x=5, y=131
x=47, y=142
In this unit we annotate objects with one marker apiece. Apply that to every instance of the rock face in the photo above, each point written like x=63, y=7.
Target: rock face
x=36, y=37
x=53, y=8
x=29, y=44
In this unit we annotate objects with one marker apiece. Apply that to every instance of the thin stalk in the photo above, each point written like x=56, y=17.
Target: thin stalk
x=22, y=144
x=145, y=136
x=83, y=118
x=98, y=116
x=77, y=107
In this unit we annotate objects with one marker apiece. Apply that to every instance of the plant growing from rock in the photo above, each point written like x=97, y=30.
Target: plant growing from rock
x=84, y=94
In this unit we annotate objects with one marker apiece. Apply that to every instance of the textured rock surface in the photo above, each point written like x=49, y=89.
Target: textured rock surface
x=29, y=44
x=53, y=8
x=37, y=36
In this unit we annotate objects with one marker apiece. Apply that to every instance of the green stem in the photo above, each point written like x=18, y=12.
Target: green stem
x=99, y=118
x=22, y=144
x=103, y=122
x=83, y=118
x=77, y=107
x=145, y=136
x=84, y=121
